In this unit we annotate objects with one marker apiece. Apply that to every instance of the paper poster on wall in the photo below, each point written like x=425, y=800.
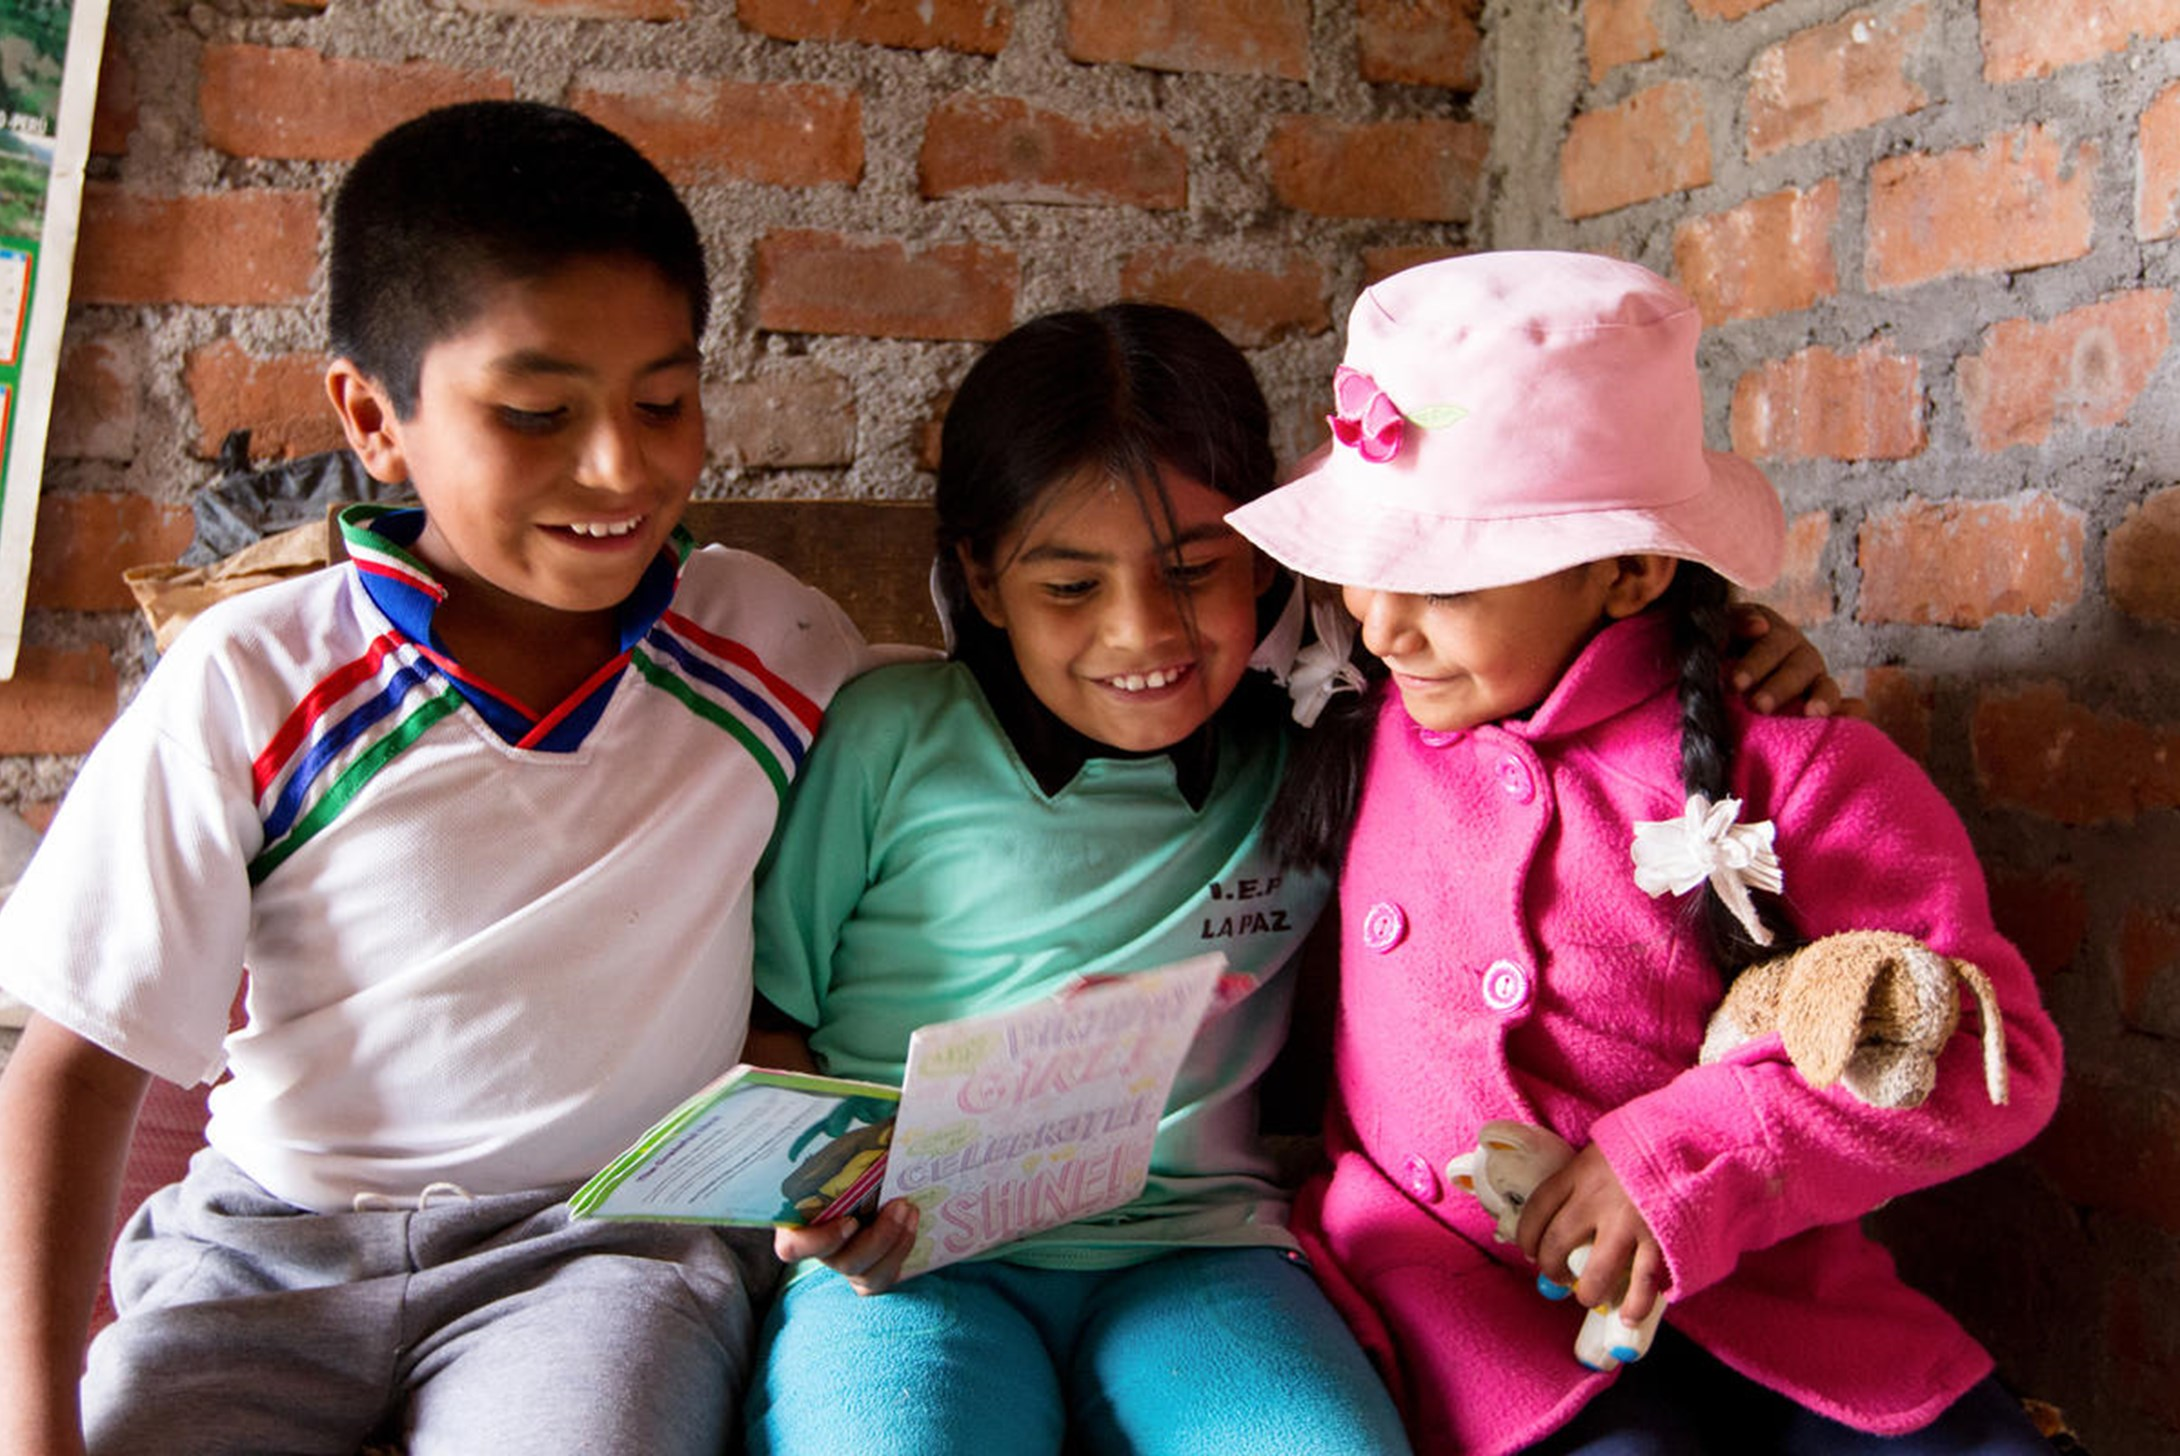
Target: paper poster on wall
x=49, y=53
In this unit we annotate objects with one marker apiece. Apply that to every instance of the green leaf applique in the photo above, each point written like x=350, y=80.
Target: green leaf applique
x=1436, y=416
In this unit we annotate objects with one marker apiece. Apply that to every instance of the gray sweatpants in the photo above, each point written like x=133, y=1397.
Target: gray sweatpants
x=469, y=1326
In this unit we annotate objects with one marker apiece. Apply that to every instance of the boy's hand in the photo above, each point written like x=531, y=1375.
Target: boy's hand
x=1777, y=668
x=868, y=1258
x=1583, y=1203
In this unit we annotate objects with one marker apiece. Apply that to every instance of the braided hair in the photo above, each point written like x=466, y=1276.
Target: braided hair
x=1697, y=604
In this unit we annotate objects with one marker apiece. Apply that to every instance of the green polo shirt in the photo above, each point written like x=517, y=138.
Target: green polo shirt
x=921, y=874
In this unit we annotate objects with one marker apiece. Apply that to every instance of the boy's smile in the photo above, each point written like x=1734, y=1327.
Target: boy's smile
x=1132, y=638
x=555, y=440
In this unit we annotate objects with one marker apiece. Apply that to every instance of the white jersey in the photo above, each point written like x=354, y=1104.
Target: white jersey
x=478, y=952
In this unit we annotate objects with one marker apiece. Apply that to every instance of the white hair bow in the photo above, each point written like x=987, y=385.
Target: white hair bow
x=1705, y=843
x=1312, y=675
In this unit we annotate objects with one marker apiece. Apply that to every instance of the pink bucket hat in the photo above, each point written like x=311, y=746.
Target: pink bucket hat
x=1503, y=416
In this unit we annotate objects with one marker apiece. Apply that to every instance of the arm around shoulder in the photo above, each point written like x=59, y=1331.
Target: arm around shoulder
x=67, y=1110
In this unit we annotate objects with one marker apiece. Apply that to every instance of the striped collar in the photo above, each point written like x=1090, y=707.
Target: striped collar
x=380, y=541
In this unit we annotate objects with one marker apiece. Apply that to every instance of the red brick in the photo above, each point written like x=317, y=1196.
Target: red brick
x=59, y=701
x=1384, y=262
x=2038, y=750
x=800, y=416
x=1836, y=78
x=1901, y=703
x=281, y=401
x=701, y=129
x=2084, y=369
x=2045, y=913
x=1823, y=405
x=2149, y=971
x=1651, y=144
x=977, y=27
x=97, y=399
x=2018, y=201
x=2028, y=38
x=1234, y=37
x=287, y=102
x=825, y=283
x=2142, y=559
x=1420, y=42
x=2114, y=1145
x=114, y=112
x=1961, y=563
x=655, y=10
x=1618, y=33
x=85, y=541
x=248, y=246
x=1423, y=170
x=1726, y=9
x=1251, y=306
x=2157, y=168
x=1803, y=592
x=1769, y=255
x=1004, y=150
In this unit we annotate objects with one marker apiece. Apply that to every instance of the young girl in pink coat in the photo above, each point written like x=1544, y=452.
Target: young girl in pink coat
x=1522, y=516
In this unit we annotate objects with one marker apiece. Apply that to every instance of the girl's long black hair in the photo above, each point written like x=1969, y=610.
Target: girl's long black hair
x=1310, y=821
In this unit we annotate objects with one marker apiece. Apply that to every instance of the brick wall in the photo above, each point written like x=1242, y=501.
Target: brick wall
x=883, y=185
x=1934, y=240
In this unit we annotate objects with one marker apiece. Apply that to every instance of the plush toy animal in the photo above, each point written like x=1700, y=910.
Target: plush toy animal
x=1862, y=1008
x=1868, y=1008
x=1508, y=1162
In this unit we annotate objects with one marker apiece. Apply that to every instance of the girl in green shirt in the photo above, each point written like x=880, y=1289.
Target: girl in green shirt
x=1079, y=788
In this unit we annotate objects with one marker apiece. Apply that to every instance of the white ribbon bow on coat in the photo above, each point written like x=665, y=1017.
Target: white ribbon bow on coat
x=1704, y=843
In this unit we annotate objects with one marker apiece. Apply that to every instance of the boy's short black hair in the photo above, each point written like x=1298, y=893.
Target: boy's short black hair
x=442, y=207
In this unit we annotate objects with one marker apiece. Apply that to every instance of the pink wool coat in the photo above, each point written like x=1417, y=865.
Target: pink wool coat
x=1498, y=961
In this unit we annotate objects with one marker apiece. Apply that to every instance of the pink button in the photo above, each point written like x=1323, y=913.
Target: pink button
x=1506, y=986
x=1421, y=1178
x=1384, y=926
x=1440, y=737
x=1515, y=779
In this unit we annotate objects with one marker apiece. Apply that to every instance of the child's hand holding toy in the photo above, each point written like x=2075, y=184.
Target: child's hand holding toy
x=1568, y=1212
x=1582, y=1220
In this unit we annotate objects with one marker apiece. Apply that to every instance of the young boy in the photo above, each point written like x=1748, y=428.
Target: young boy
x=479, y=812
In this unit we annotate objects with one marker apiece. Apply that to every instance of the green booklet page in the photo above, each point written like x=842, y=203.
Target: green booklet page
x=756, y=1147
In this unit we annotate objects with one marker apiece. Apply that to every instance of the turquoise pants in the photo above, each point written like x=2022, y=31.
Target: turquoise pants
x=1224, y=1352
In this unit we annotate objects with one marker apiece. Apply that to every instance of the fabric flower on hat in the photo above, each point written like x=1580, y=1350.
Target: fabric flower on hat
x=1705, y=843
x=1365, y=417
